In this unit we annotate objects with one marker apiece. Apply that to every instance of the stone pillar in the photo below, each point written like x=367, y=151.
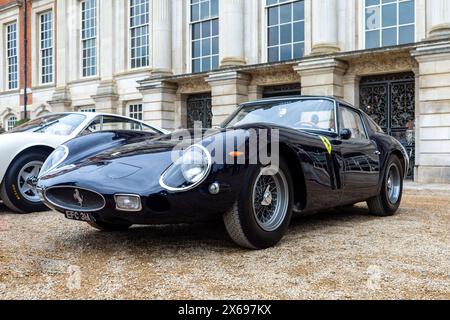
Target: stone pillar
x=231, y=26
x=162, y=37
x=106, y=99
x=325, y=33
x=61, y=99
x=438, y=15
x=255, y=92
x=228, y=90
x=322, y=77
x=433, y=120
x=158, y=100
x=351, y=89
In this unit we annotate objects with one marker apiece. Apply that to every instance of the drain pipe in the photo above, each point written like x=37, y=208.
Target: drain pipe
x=25, y=69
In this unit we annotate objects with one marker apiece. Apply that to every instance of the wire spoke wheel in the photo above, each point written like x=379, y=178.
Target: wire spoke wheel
x=270, y=200
x=26, y=180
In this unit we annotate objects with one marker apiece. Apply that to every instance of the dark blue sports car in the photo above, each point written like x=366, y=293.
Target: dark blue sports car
x=271, y=159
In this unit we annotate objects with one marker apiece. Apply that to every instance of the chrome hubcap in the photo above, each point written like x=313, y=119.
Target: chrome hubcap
x=270, y=200
x=393, y=184
x=27, y=180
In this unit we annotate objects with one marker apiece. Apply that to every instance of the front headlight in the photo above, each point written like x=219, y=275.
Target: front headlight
x=188, y=171
x=54, y=160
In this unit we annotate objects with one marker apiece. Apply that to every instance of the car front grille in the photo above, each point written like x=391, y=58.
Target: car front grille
x=76, y=199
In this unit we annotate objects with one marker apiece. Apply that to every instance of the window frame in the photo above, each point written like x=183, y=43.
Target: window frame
x=191, y=40
x=129, y=38
x=359, y=114
x=7, y=122
x=266, y=8
x=52, y=32
x=97, y=57
x=7, y=57
x=381, y=28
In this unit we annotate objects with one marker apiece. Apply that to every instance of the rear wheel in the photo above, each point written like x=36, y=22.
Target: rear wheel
x=262, y=214
x=18, y=190
x=109, y=227
x=388, y=201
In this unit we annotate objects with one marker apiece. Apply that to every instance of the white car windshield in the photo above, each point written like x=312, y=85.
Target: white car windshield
x=57, y=124
x=312, y=114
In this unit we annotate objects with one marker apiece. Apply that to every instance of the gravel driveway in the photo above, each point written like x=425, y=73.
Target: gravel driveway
x=334, y=255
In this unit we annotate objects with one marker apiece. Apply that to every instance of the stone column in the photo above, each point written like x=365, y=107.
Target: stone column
x=162, y=37
x=106, y=98
x=228, y=90
x=322, y=77
x=231, y=26
x=325, y=35
x=61, y=99
x=351, y=89
x=438, y=15
x=433, y=120
x=158, y=99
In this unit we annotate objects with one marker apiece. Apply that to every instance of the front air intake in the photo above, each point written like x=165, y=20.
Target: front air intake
x=75, y=199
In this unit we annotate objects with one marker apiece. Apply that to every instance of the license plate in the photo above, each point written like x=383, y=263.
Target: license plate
x=78, y=216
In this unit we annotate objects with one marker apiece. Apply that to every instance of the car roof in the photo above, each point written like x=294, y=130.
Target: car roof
x=297, y=98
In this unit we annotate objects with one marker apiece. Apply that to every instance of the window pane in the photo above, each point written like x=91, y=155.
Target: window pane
x=373, y=18
x=286, y=52
x=299, y=10
x=389, y=37
x=299, y=31
x=285, y=34
x=273, y=16
x=406, y=34
x=273, y=36
x=406, y=12
x=273, y=54
x=286, y=13
x=389, y=14
x=372, y=39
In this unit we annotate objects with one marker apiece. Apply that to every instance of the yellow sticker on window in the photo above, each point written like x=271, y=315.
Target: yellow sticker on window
x=327, y=144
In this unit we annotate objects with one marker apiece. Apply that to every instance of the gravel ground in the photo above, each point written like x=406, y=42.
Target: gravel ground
x=334, y=255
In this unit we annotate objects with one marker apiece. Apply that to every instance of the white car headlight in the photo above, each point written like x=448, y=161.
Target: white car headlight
x=54, y=160
x=188, y=171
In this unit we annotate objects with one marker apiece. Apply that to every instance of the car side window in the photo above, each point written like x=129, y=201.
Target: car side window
x=116, y=123
x=94, y=126
x=352, y=120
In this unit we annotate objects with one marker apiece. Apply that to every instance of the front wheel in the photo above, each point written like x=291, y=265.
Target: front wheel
x=388, y=201
x=262, y=214
x=18, y=190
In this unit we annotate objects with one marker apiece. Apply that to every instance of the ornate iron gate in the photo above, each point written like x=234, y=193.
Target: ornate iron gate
x=292, y=89
x=390, y=101
x=199, y=109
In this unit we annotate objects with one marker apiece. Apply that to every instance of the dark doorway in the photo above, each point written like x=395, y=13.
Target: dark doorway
x=199, y=110
x=293, y=89
x=390, y=100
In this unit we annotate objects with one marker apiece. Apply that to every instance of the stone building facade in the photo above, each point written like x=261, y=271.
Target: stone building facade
x=172, y=62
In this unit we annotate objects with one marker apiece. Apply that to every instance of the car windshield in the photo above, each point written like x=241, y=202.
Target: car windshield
x=57, y=124
x=312, y=114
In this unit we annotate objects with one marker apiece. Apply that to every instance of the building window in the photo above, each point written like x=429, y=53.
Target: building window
x=135, y=112
x=139, y=33
x=11, y=55
x=285, y=29
x=205, y=35
x=389, y=22
x=46, y=30
x=87, y=109
x=89, y=37
x=11, y=123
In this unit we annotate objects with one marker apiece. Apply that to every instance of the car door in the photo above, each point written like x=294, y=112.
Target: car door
x=361, y=163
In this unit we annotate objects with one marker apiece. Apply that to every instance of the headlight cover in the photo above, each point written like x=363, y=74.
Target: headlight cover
x=54, y=160
x=190, y=170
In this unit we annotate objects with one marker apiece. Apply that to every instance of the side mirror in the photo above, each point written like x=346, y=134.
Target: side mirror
x=345, y=134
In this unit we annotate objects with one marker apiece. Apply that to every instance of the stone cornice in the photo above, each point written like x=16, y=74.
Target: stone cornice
x=11, y=5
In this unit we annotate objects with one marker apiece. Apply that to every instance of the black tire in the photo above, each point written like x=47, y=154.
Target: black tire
x=241, y=221
x=10, y=191
x=382, y=205
x=109, y=227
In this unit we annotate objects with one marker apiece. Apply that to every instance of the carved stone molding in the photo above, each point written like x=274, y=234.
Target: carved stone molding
x=264, y=77
x=193, y=85
x=382, y=63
